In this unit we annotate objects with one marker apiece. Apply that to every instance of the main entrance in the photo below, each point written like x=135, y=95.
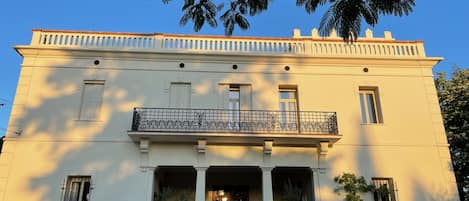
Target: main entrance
x=174, y=184
x=292, y=183
x=234, y=184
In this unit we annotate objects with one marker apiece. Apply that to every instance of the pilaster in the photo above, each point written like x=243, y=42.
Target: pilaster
x=316, y=172
x=149, y=174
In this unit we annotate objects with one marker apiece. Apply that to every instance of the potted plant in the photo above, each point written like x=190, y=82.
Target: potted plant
x=352, y=186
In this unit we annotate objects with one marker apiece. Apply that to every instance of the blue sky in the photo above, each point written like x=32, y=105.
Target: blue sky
x=442, y=25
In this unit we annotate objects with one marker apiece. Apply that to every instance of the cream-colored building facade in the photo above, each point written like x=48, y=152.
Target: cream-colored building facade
x=103, y=116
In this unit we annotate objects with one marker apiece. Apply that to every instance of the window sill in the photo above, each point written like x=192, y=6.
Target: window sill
x=89, y=120
x=372, y=124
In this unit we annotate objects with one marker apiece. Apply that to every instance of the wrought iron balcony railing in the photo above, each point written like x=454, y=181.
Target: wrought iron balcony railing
x=237, y=121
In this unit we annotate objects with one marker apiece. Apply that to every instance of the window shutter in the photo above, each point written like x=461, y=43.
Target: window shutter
x=180, y=95
x=91, y=101
x=223, y=96
x=62, y=188
x=246, y=97
x=245, y=100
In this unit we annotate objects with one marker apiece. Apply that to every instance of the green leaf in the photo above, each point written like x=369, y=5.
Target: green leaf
x=345, y=16
x=351, y=185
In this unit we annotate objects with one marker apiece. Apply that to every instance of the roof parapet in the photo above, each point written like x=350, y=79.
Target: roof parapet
x=314, y=45
x=333, y=35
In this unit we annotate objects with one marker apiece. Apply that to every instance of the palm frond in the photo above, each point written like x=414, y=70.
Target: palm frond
x=241, y=21
x=185, y=18
x=211, y=20
x=187, y=4
x=346, y=16
x=393, y=7
x=199, y=20
x=335, y=17
x=210, y=7
x=235, y=16
x=257, y=6
x=199, y=13
x=310, y=5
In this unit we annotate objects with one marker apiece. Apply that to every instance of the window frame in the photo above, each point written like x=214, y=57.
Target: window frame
x=82, y=100
x=365, y=105
x=289, y=118
x=391, y=188
x=234, y=113
x=82, y=180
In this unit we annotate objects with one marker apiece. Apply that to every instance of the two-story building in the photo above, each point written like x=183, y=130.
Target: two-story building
x=102, y=116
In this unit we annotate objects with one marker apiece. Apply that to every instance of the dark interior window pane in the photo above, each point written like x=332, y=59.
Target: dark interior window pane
x=86, y=191
x=362, y=105
x=371, y=108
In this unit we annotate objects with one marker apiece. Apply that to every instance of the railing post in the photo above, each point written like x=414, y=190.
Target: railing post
x=334, y=124
x=135, y=120
x=308, y=45
x=298, y=119
x=420, y=49
x=36, y=39
x=158, y=41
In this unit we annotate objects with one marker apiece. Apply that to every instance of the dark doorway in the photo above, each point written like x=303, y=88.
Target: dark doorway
x=234, y=184
x=174, y=184
x=293, y=183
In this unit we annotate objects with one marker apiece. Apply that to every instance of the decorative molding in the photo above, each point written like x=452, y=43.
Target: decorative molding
x=147, y=169
x=201, y=146
x=267, y=168
x=144, y=145
x=318, y=170
x=323, y=148
x=268, y=146
x=201, y=168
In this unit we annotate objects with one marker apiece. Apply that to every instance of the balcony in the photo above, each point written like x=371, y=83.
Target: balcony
x=233, y=126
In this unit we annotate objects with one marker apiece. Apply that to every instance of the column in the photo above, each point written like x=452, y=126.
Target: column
x=319, y=173
x=316, y=184
x=149, y=174
x=267, y=194
x=200, y=185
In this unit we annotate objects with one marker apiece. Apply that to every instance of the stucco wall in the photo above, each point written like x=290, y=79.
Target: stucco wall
x=46, y=141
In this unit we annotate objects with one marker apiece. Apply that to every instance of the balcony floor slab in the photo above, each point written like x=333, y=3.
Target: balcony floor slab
x=284, y=139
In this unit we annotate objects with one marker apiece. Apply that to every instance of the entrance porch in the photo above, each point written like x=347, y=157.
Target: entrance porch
x=232, y=183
